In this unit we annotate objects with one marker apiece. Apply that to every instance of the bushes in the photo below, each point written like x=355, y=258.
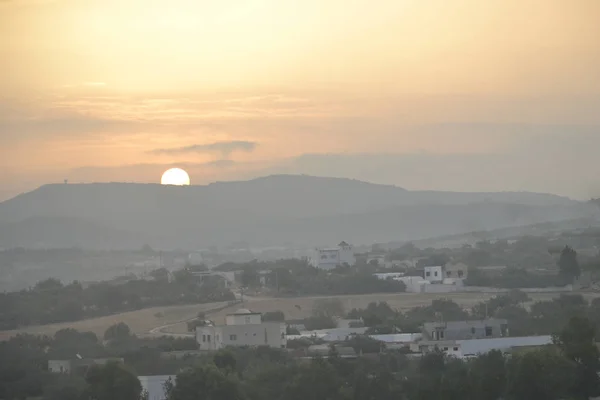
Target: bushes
x=50, y=301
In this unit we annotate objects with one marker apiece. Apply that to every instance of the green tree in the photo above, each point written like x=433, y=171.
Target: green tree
x=488, y=376
x=112, y=382
x=542, y=374
x=205, y=382
x=330, y=308
x=275, y=316
x=225, y=360
x=577, y=342
x=568, y=265
x=117, y=332
x=317, y=380
x=250, y=277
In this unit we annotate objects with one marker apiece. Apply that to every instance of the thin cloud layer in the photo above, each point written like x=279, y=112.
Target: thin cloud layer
x=224, y=148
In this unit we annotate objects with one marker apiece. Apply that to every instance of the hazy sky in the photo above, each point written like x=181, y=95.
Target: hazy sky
x=425, y=94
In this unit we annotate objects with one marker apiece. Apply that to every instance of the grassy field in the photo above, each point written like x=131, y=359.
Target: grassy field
x=142, y=322
x=301, y=307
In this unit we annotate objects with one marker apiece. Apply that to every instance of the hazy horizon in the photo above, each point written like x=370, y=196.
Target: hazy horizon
x=465, y=95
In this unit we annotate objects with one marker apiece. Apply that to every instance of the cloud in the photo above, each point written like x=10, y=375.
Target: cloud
x=224, y=148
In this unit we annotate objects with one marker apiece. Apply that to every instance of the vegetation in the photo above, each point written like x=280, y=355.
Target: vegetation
x=542, y=317
x=50, y=301
x=293, y=277
x=567, y=370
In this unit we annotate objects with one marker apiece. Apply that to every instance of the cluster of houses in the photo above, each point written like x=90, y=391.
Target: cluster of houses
x=434, y=279
x=244, y=328
x=461, y=339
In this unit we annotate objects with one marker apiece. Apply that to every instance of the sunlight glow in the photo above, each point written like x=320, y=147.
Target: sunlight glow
x=175, y=176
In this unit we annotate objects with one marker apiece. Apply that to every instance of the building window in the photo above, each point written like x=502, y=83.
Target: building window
x=203, y=338
x=460, y=273
x=488, y=331
x=435, y=273
x=247, y=320
x=283, y=335
x=208, y=338
x=456, y=349
x=445, y=349
x=233, y=338
x=442, y=334
x=448, y=273
x=473, y=330
x=427, y=273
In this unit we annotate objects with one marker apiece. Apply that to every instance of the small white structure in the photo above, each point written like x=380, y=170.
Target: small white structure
x=397, y=276
x=434, y=274
x=329, y=258
x=242, y=328
x=155, y=385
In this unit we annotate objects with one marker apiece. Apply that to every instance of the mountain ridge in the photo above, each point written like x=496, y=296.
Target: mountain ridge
x=268, y=210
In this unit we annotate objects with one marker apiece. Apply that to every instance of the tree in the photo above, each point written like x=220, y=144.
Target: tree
x=275, y=316
x=317, y=380
x=542, y=374
x=225, y=360
x=577, y=343
x=205, y=382
x=488, y=376
x=250, y=277
x=117, y=332
x=568, y=265
x=328, y=308
x=112, y=382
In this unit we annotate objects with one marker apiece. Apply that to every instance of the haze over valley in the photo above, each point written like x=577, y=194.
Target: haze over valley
x=298, y=211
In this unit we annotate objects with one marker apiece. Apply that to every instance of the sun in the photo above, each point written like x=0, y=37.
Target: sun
x=175, y=176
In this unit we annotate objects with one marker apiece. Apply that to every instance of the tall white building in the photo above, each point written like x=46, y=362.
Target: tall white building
x=329, y=258
x=434, y=274
x=242, y=328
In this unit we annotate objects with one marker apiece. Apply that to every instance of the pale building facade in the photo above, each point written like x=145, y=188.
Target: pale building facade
x=329, y=258
x=242, y=328
x=434, y=274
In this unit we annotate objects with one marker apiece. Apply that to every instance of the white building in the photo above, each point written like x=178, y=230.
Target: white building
x=242, y=328
x=155, y=385
x=329, y=258
x=434, y=274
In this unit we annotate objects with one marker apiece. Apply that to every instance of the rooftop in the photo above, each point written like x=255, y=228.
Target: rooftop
x=244, y=311
x=464, y=324
x=479, y=346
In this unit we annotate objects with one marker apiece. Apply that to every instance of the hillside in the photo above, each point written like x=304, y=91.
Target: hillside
x=273, y=210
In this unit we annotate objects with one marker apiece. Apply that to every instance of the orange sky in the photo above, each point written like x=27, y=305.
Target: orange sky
x=96, y=90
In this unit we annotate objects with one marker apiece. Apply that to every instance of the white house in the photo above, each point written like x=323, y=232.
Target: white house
x=434, y=274
x=155, y=385
x=242, y=328
x=329, y=258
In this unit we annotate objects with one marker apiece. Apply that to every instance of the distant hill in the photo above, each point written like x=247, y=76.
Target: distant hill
x=278, y=209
